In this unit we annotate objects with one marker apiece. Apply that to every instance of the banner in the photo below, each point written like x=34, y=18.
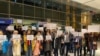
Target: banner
x=94, y=28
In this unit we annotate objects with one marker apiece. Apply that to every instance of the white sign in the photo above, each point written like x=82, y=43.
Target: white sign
x=41, y=28
x=39, y=37
x=94, y=28
x=50, y=25
x=10, y=28
x=48, y=37
x=24, y=27
x=3, y=38
x=33, y=28
x=68, y=28
x=84, y=30
x=19, y=20
x=59, y=32
x=59, y=28
x=16, y=36
x=30, y=37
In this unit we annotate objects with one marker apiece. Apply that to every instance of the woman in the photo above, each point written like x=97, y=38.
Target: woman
x=38, y=44
x=28, y=43
x=48, y=46
x=3, y=44
x=36, y=51
x=16, y=46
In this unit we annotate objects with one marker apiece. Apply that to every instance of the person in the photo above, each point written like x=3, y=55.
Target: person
x=38, y=44
x=92, y=44
x=3, y=45
x=66, y=43
x=16, y=46
x=85, y=43
x=78, y=46
x=57, y=44
x=48, y=44
x=28, y=43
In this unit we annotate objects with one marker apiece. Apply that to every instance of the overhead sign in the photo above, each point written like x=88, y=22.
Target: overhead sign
x=6, y=21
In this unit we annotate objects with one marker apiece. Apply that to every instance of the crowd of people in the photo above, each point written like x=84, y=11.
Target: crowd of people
x=47, y=43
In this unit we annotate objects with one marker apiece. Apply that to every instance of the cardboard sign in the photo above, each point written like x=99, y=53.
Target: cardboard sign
x=59, y=32
x=40, y=37
x=68, y=28
x=25, y=28
x=11, y=28
x=48, y=37
x=33, y=28
x=50, y=25
x=16, y=36
x=3, y=38
x=41, y=28
x=84, y=30
x=30, y=37
x=94, y=28
x=19, y=20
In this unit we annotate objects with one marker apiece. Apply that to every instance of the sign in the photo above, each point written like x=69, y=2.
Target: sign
x=3, y=38
x=68, y=28
x=24, y=27
x=84, y=30
x=48, y=37
x=19, y=20
x=6, y=21
x=33, y=28
x=59, y=32
x=50, y=25
x=41, y=28
x=59, y=28
x=94, y=28
x=10, y=28
x=16, y=36
x=30, y=37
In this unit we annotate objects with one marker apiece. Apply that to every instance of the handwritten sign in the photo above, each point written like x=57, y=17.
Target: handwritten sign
x=48, y=37
x=30, y=37
x=16, y=36
x=3, y=38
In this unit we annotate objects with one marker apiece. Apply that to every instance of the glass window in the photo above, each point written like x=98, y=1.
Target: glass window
x=19, y=1
x=29, y=2
x=16, y=9
x=48, y=4
x=39, y=12
x=3, y=7
x=16, y=17
x=2, y=15
x=48, y=14
x=29, y=11
x=56, y=15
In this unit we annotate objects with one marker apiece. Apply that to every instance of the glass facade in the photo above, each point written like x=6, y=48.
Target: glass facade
x=38, y=10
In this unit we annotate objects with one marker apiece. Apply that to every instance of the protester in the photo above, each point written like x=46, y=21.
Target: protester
x=48, y=44
x=16, y=40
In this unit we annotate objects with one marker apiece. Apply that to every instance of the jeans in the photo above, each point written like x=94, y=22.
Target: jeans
x=29, y=51
x=66, y=47
x=78, y=51
x=92, y=52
